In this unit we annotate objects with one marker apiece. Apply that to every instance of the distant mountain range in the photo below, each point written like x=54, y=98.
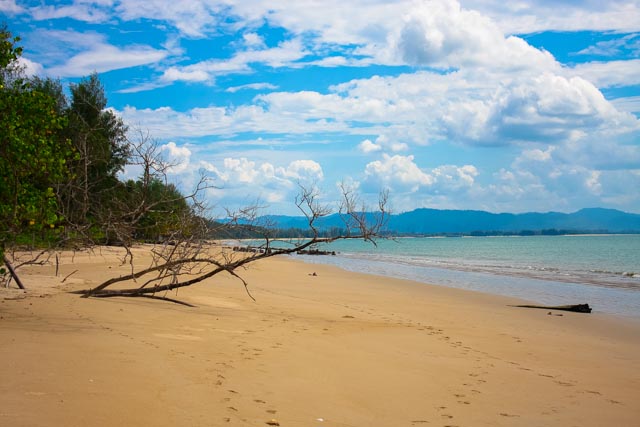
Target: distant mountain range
x=435, y=221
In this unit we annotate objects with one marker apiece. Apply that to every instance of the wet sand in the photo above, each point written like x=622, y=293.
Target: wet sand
x=334, y=349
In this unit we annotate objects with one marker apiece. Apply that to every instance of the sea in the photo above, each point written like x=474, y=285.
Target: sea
x=601, y=270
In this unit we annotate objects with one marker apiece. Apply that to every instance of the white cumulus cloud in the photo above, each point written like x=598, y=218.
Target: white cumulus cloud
x=30, y=68
x=367, y=146
x=397, y=172
x=178, y=157
x=444, y=35
x=302, y=170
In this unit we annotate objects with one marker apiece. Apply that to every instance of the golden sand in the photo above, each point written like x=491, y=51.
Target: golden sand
x=335, y=349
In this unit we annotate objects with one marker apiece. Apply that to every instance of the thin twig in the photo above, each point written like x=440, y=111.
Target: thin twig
x=69, y=275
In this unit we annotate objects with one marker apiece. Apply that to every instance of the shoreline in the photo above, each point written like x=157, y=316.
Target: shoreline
x=625, y=301
x=335, y=349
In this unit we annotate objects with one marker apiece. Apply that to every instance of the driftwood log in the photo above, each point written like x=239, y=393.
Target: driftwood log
x=13, y=273
x=576, y=308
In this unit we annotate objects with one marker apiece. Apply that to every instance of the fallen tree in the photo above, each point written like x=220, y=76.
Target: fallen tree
x=187, y=255
x=189, y=259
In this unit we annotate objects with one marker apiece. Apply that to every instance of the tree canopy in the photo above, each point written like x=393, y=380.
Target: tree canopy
x=59, y=163
x=34, y=156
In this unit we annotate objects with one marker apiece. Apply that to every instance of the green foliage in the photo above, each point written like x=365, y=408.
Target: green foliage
x=54, y=89
x=33, y=154
x=59, y=160
x=97, y=131
x=9, y=54
x=99, y=137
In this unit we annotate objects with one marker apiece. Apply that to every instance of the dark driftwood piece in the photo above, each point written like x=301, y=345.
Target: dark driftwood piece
x=576, y=308
x=13, y=273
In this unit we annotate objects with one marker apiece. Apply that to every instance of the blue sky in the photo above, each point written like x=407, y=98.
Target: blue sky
x=470, y=104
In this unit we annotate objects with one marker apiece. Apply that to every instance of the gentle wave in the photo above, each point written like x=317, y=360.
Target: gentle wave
x=605, y=278
x=617, y=300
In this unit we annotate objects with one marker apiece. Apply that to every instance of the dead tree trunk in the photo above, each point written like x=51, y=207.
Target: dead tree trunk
x=13, y=273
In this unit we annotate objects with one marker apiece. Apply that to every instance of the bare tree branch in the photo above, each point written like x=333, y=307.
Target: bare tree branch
x=187, y=262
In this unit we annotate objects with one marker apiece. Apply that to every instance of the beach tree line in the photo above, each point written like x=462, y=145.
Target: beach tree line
x=61, y=157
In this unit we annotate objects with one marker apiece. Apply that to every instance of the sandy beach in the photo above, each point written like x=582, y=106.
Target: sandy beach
x=331, y=349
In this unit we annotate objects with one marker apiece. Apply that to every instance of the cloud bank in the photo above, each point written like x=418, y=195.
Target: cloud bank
x=453, y=107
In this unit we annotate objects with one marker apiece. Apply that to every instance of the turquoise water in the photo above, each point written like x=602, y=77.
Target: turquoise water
x=602, y=270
